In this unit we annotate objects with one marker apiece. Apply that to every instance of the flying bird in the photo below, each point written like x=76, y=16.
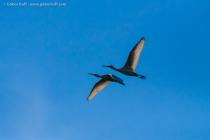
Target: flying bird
x=133, y=57
x=105, y=80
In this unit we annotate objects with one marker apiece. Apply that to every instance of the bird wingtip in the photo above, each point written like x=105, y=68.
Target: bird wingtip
x=122, y=83
x=143, y=38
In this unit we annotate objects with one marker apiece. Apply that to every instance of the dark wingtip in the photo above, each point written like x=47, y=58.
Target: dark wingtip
x=122, y=83
x=143, y=38
x=87, y=99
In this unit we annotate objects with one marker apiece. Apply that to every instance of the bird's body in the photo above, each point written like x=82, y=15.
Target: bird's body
x=105, y=80
x=133, y=57
x=127, y=71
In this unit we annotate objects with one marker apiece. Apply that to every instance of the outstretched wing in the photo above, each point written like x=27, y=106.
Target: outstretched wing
x=134, y=55
x=117, y=79
x=98, y=87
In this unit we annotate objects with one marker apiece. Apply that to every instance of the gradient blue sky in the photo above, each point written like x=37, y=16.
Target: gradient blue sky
x=46, y=53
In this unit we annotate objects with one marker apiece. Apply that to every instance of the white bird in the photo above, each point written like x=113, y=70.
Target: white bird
x=130, y=65
x=105, y=80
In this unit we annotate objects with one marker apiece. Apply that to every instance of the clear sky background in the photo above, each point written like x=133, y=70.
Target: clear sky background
x=46, y=54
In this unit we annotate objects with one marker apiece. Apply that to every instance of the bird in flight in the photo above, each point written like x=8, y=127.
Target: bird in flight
x=133, y=57
x=105, y=80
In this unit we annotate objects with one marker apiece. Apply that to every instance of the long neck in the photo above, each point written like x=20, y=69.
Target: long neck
x=98, y=76
x=114, y=68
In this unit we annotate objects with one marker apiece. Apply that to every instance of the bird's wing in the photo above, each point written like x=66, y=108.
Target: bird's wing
x=98, y=87
x=116, y=79
x=134, y=55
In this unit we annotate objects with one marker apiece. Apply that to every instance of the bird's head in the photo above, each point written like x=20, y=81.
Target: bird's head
x=94, y=74
x=110, y=66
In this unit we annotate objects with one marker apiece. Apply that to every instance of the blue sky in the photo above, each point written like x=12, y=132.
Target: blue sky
x=46, y=53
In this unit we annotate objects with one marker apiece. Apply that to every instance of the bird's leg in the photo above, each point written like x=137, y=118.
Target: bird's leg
x=142, y=77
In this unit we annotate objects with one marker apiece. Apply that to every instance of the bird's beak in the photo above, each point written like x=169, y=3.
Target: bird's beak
x=106, y=66
x=90, y=73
